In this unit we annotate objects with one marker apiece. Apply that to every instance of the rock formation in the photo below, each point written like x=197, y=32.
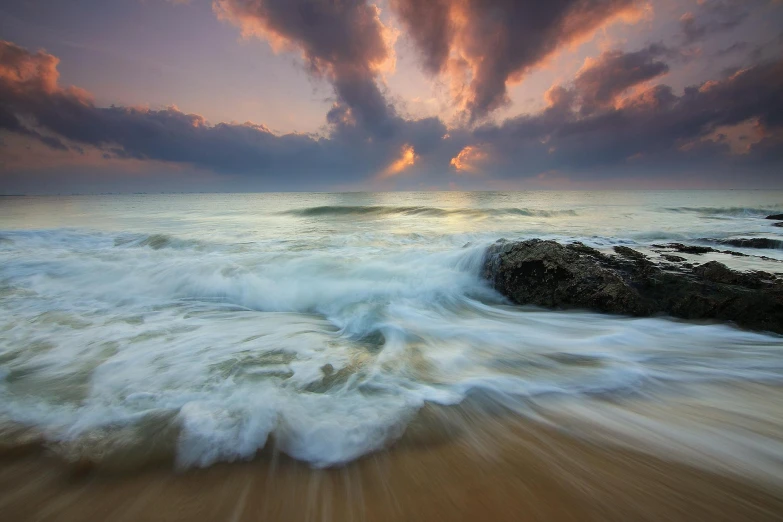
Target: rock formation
x=549, y=274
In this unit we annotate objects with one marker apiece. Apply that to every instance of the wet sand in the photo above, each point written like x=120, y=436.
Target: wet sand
x=452, y=464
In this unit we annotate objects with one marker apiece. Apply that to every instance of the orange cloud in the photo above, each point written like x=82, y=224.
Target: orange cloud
x=485, y=45
x=467, y=159
x=603, y=79
x=27, y=71
x=740, y=138
x=407, y=159
x=349, y=34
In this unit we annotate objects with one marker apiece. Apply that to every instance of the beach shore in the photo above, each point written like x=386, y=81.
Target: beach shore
x=502, y=469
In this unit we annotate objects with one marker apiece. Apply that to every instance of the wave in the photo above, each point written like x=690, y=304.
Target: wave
x=155, y=241
x=380, y=210
x=133, y=347
x=728, y=211
x=193, y=407
x=201, y=357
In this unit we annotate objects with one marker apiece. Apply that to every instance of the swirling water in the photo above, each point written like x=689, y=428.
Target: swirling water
x=204, y=324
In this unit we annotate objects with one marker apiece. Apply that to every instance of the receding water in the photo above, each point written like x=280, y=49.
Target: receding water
x=329, y=320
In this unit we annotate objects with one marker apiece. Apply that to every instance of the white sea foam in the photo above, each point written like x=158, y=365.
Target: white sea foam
x=327, y=342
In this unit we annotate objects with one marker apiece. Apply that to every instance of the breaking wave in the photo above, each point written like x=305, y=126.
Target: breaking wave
x=729, y=211
x=123, y=356
x=196, y=330
x=155, y=241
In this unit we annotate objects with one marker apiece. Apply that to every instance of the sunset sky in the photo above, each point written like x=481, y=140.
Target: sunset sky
x=313, y=95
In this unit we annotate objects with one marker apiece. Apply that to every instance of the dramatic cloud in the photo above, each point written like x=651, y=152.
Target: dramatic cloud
x=33, y=104
x=431, y=26
x=468, y=158
x=603, y=79
x=610, y=120
x=498, y=40
x=407, y=159
x=343, y=41
x=652, y=128
x=22, y=72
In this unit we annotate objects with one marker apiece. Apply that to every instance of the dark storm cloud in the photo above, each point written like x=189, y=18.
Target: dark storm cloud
x=714, y=16
x=28, y=73
x=499, y=39
x=29, y=92
x=33, y=104
x=343, y=41
x=10, y=122
x=654, y=126
x=431, y=27
x=614, y=72
x=600, y=123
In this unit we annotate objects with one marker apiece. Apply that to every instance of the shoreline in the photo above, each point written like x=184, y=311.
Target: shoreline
x=502, y=468
x=143, y=338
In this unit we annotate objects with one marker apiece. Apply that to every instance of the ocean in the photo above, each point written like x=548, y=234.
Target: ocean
x=206, y=325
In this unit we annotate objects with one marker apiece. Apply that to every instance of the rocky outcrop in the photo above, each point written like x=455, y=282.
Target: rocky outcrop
x=549, y=274
x=687, y=249
x=775, y=216
x=672, y=258
x=750, y=242
x=698, y=250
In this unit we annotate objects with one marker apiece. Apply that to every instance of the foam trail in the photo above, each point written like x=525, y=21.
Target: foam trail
x=326, y=325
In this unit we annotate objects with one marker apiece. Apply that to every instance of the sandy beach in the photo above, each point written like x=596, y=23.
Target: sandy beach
x=503, y=469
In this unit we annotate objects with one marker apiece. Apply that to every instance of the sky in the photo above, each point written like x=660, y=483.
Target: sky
x=351, y=95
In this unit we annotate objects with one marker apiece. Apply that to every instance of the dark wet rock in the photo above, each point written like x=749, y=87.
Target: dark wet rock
x=775, y=216
x=584, y=249
x=630, y=253
x=549, y=274
x=687, y=249
x=778, y=224
x=749, y=242
x=698, y=249
x=673, y=258
x=719, y=273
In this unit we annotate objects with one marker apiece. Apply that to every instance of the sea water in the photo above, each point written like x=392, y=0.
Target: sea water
x=206, y=325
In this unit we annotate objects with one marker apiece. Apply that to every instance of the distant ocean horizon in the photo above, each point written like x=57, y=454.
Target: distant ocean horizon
x=329, y=320
x=436, y=191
